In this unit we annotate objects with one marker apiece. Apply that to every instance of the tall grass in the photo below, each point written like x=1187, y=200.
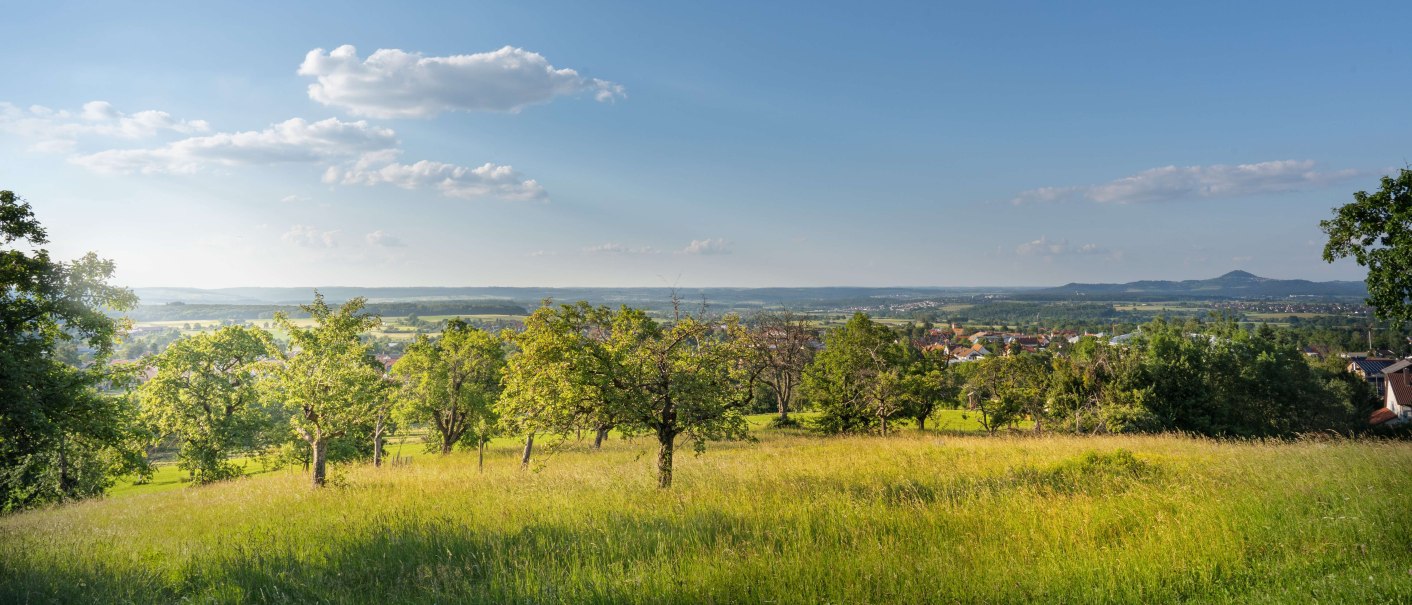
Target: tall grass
x=916, y=518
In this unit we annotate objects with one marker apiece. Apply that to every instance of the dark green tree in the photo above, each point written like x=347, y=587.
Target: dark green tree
x=66, y=429
x=1375, y=229
x=856, y=383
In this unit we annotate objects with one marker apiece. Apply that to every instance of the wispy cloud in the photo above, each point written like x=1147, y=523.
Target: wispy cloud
x=1050, y=249
x=1171, y=183
x=392, y=83
x=310, y=237
x=707, y=247
x=383, y=239
x=617, y=248
x=293, y=140
x=58, y=130
x=486, y=180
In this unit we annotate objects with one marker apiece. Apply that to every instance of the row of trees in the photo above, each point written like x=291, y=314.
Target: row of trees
x=1208, y=378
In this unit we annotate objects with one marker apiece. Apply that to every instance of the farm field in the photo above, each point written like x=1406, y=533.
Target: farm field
x=788, y=518
x=395, y=328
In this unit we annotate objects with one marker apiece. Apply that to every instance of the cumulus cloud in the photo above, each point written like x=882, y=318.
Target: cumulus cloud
x=310, y=237
x=617, y=248
x=56, y=130
x=393, y=83
x=384, y=239
x=294, y=140
x=486, y=180
x=1170, y=183
x=707, y=246
x=1050, y=249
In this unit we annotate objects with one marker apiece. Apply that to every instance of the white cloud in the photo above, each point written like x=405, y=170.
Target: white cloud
x=1050, y=249
x=57, y=130
x=486, y=180
x=310, y=237
x=293, y=140
x=384, y=239
x=392, y=83
x=294, y=199
x=706, y=246
x=1170, y=183
x=617, y=248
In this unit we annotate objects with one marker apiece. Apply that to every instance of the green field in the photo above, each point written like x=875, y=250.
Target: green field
x=789, y=518
x=401, y=329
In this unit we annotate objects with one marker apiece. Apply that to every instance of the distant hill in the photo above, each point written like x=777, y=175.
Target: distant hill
x=734, y=298
x=1236, y=284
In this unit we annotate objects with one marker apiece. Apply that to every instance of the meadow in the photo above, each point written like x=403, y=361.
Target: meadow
x=786, y=518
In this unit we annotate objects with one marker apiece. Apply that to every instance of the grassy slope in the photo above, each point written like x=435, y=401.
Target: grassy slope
x=791, y=518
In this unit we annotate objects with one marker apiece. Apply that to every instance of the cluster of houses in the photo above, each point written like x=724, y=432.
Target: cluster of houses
x=1393, y=379
x=961, y=346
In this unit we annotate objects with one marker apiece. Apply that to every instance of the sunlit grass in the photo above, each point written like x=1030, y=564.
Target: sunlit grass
x=914, y=518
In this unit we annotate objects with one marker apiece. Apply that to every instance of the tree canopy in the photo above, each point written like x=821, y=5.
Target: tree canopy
x=328, y=376
x=61, y=436
x=451, y=384
x=1375, y=229
x=206, y=393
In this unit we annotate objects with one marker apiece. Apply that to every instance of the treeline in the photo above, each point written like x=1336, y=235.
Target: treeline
x=186, y=312
x=1213, y=379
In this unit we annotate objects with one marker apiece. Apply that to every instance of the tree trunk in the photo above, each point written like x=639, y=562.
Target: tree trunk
x=446, y=445
x=599, y=436
x=666, y=442
x=377, y=443
x=529, y=449
x=784, y=409
x=320, y=460
x=65, y=482
x=480, y=463
x=921, y=423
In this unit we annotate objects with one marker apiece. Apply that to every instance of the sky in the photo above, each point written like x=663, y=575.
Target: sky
x=700, y=144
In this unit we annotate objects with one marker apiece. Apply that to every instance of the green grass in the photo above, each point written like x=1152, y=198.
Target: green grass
x=790, y=518
x=168, y=476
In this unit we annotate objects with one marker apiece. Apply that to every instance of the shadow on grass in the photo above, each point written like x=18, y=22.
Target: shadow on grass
x=617, y=559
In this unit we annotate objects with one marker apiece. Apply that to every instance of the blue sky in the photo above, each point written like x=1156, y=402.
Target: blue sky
x=700, y=144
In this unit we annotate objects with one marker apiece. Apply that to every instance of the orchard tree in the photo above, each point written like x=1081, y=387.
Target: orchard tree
x=543, y=387
x=622, y=368
x=62, y=436
x=857, y=381
x=452, y=384
x=682, y=380
x=1375, y=229
x=782, y=345
x=1004, y=389
x=329, y=377
x=206, y=394
x=928, y=380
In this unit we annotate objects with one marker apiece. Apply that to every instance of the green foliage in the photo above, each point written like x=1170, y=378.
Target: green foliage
x=1228, y=381
x=1376, y=230
x=451, y=384
x=206, y=394
x=582, y=366
x=856, y=383
x=329, y=377
x=929, y=380
x=1004, y=389
x=61, y=437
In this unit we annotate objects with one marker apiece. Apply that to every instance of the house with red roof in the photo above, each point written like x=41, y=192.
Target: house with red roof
x=1397, y=408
